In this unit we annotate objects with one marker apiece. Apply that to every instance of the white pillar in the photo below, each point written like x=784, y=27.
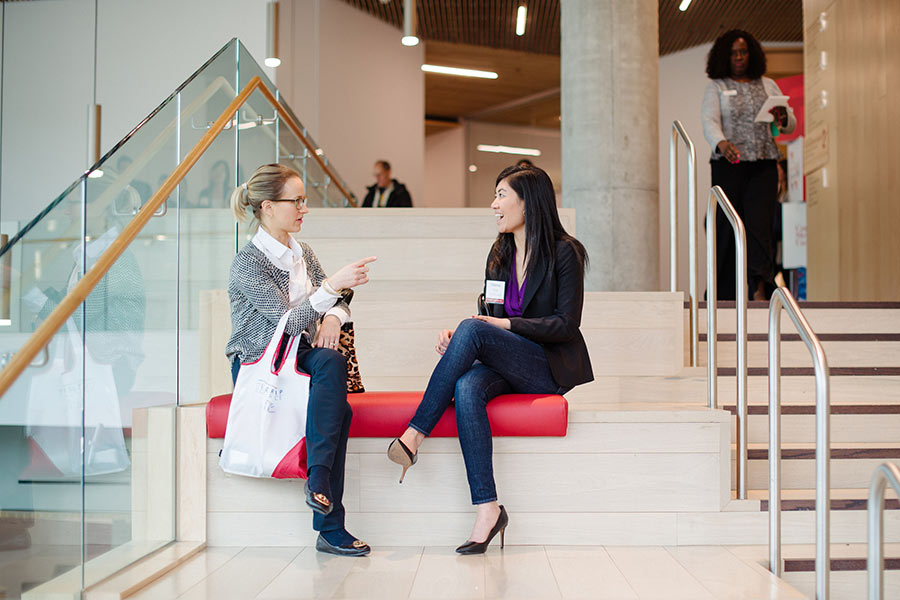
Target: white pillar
x=610, y=104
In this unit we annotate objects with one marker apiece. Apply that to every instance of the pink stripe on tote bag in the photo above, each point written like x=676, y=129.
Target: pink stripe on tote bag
x=265, y=433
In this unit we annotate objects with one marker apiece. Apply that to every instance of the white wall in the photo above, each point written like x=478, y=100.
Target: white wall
x=145, y=50
x=47, y=87
x=481, y=183
x=446, y=170
x=357, y=89
x=682, y=80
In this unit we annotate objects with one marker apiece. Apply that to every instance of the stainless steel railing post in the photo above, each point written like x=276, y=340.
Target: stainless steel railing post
x=718, y=198
x=884, y=474
x=783, y=298
x=678, y=130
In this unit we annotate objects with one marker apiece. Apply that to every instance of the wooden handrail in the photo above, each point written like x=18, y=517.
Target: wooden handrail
x=295, y=127
x=78, y=294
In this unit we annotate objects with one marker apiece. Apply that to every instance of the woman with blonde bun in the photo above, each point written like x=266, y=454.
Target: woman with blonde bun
x=273, y=275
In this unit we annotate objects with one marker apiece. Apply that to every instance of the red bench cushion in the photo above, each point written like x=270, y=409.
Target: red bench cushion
x=386, y=414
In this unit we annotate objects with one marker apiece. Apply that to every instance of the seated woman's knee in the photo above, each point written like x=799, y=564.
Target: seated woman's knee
x=331, y=363
x=469, y=329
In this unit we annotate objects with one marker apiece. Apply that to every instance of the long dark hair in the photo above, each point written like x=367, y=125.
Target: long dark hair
x=542, y=226
x=718, y=62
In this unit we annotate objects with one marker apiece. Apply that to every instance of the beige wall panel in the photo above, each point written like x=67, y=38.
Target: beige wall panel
x=852, y=222
x=396, y=223
x=583, y=482
x=237, y=493
x=192, y=473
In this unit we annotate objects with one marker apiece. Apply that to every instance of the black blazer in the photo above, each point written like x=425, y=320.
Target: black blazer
x=551, y=314
x=399, y=197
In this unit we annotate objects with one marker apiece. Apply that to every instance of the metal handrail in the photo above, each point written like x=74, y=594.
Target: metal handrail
x=783, y=298
x=884, y=474
x=718, y=197
x=679, y=131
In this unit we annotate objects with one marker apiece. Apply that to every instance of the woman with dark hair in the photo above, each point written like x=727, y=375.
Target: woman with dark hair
x=217, y=193
x=528, y=343
x=744, y=156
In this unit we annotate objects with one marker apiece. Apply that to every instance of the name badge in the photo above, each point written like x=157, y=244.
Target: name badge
x=494, y=291
x=729, y=93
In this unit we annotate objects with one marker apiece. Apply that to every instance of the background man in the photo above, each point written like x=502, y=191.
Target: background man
x=386, y=191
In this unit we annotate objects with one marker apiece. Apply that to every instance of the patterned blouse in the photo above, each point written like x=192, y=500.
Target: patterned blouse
x=729, y=110
x=259, y=293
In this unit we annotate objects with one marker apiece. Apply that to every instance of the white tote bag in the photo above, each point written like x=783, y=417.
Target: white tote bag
x=264, y=435
x=55, y=405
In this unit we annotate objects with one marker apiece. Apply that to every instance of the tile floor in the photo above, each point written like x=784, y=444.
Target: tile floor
x=520, y=572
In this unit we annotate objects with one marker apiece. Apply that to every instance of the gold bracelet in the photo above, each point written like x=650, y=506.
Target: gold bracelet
x=329, y=289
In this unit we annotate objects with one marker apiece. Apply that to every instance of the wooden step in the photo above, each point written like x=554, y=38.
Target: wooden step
x=852, y=464
x=805, y=500
x=823, y=337
x=804, y=304
x=844, y=585
x=690, y=387
x=794, y=565
x=836, y=504
x=791, y=451
x=810, y=409
x=809, y=371
x=841, y=353
x=823, y=317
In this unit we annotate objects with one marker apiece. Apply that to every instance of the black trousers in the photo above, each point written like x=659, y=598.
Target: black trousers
x=752, y=188
x=327, y=422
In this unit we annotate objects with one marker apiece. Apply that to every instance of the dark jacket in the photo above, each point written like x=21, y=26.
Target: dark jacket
x=551, y=314
x=399, y=197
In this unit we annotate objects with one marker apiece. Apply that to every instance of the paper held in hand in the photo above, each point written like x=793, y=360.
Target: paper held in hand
x=764, y=116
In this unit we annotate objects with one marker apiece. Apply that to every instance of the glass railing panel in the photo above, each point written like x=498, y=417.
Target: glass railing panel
x=40, y=415
x=315, y=181
x=257, y=134
x=291, y=151
x=150, y=335
x=130, y=333
x=207, y=229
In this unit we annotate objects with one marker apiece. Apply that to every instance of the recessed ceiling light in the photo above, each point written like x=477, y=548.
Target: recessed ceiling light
x=684, y=5
x=520, y=20
x=508, y=150
x=461, y=72
x=473, y=168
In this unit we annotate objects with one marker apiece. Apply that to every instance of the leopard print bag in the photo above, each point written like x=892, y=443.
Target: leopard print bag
x=347, y=347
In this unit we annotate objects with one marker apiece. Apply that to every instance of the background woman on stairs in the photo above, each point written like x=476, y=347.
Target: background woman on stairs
x=528, y=342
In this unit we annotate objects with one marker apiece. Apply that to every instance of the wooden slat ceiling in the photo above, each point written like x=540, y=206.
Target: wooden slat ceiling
x=492, y=22
x=480, y=34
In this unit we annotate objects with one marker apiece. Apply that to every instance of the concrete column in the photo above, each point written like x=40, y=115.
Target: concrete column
x=610, y=102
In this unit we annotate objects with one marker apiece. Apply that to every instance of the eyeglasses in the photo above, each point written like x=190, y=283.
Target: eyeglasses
x=298, y=202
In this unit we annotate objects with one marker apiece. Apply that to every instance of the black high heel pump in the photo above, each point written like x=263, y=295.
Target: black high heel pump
x=480, y=547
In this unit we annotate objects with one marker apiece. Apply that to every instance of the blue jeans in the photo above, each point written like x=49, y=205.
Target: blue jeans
x=481, y=362
x=327, y=422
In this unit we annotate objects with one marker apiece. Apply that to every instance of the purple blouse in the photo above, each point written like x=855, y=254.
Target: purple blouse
x=513, y=302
